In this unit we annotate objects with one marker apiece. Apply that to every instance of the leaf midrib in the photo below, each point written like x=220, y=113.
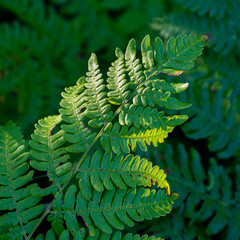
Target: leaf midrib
x=137, y=206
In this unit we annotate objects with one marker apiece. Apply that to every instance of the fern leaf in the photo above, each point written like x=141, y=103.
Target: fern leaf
x=180, y=53
x=133, y=64
x=116, y=138
x=157, y=92
x=48, y=153
x=96, y=101
x=75, y=130
x=102, y=172
x=151, y=96
x=113, y=208
x=117, y=83
x=22, y=207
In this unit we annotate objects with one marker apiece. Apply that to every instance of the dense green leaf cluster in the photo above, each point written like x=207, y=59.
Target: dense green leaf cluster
x=213, y=128
x=95, y=183
x=97, y=142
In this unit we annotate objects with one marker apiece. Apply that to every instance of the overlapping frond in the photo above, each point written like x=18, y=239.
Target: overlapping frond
x=48, y=152
x=103, y=172
x=113, y=209
x=15, y=197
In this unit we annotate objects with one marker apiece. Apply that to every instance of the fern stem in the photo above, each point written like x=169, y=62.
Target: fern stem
x=39, y=221
x=109, y=208
x=51, y=160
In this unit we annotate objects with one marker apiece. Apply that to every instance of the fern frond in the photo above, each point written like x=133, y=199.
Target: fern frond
x=48, y=153
x=111, y=209
x=102, y=172
x=133, y=64
x=90, y=93
x=15, y=197
x=87, y=117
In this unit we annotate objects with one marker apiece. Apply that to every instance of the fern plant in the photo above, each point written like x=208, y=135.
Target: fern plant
x=96, y=185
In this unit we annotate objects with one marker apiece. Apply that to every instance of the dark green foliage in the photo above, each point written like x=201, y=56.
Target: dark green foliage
x=216, y=119
x=96, y=144
x=206, y=196
x=109, y=191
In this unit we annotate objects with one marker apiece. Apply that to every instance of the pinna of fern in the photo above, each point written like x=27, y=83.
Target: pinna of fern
x=111, y=188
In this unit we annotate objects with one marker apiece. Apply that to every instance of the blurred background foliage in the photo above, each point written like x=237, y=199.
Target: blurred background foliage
x=45, y=45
